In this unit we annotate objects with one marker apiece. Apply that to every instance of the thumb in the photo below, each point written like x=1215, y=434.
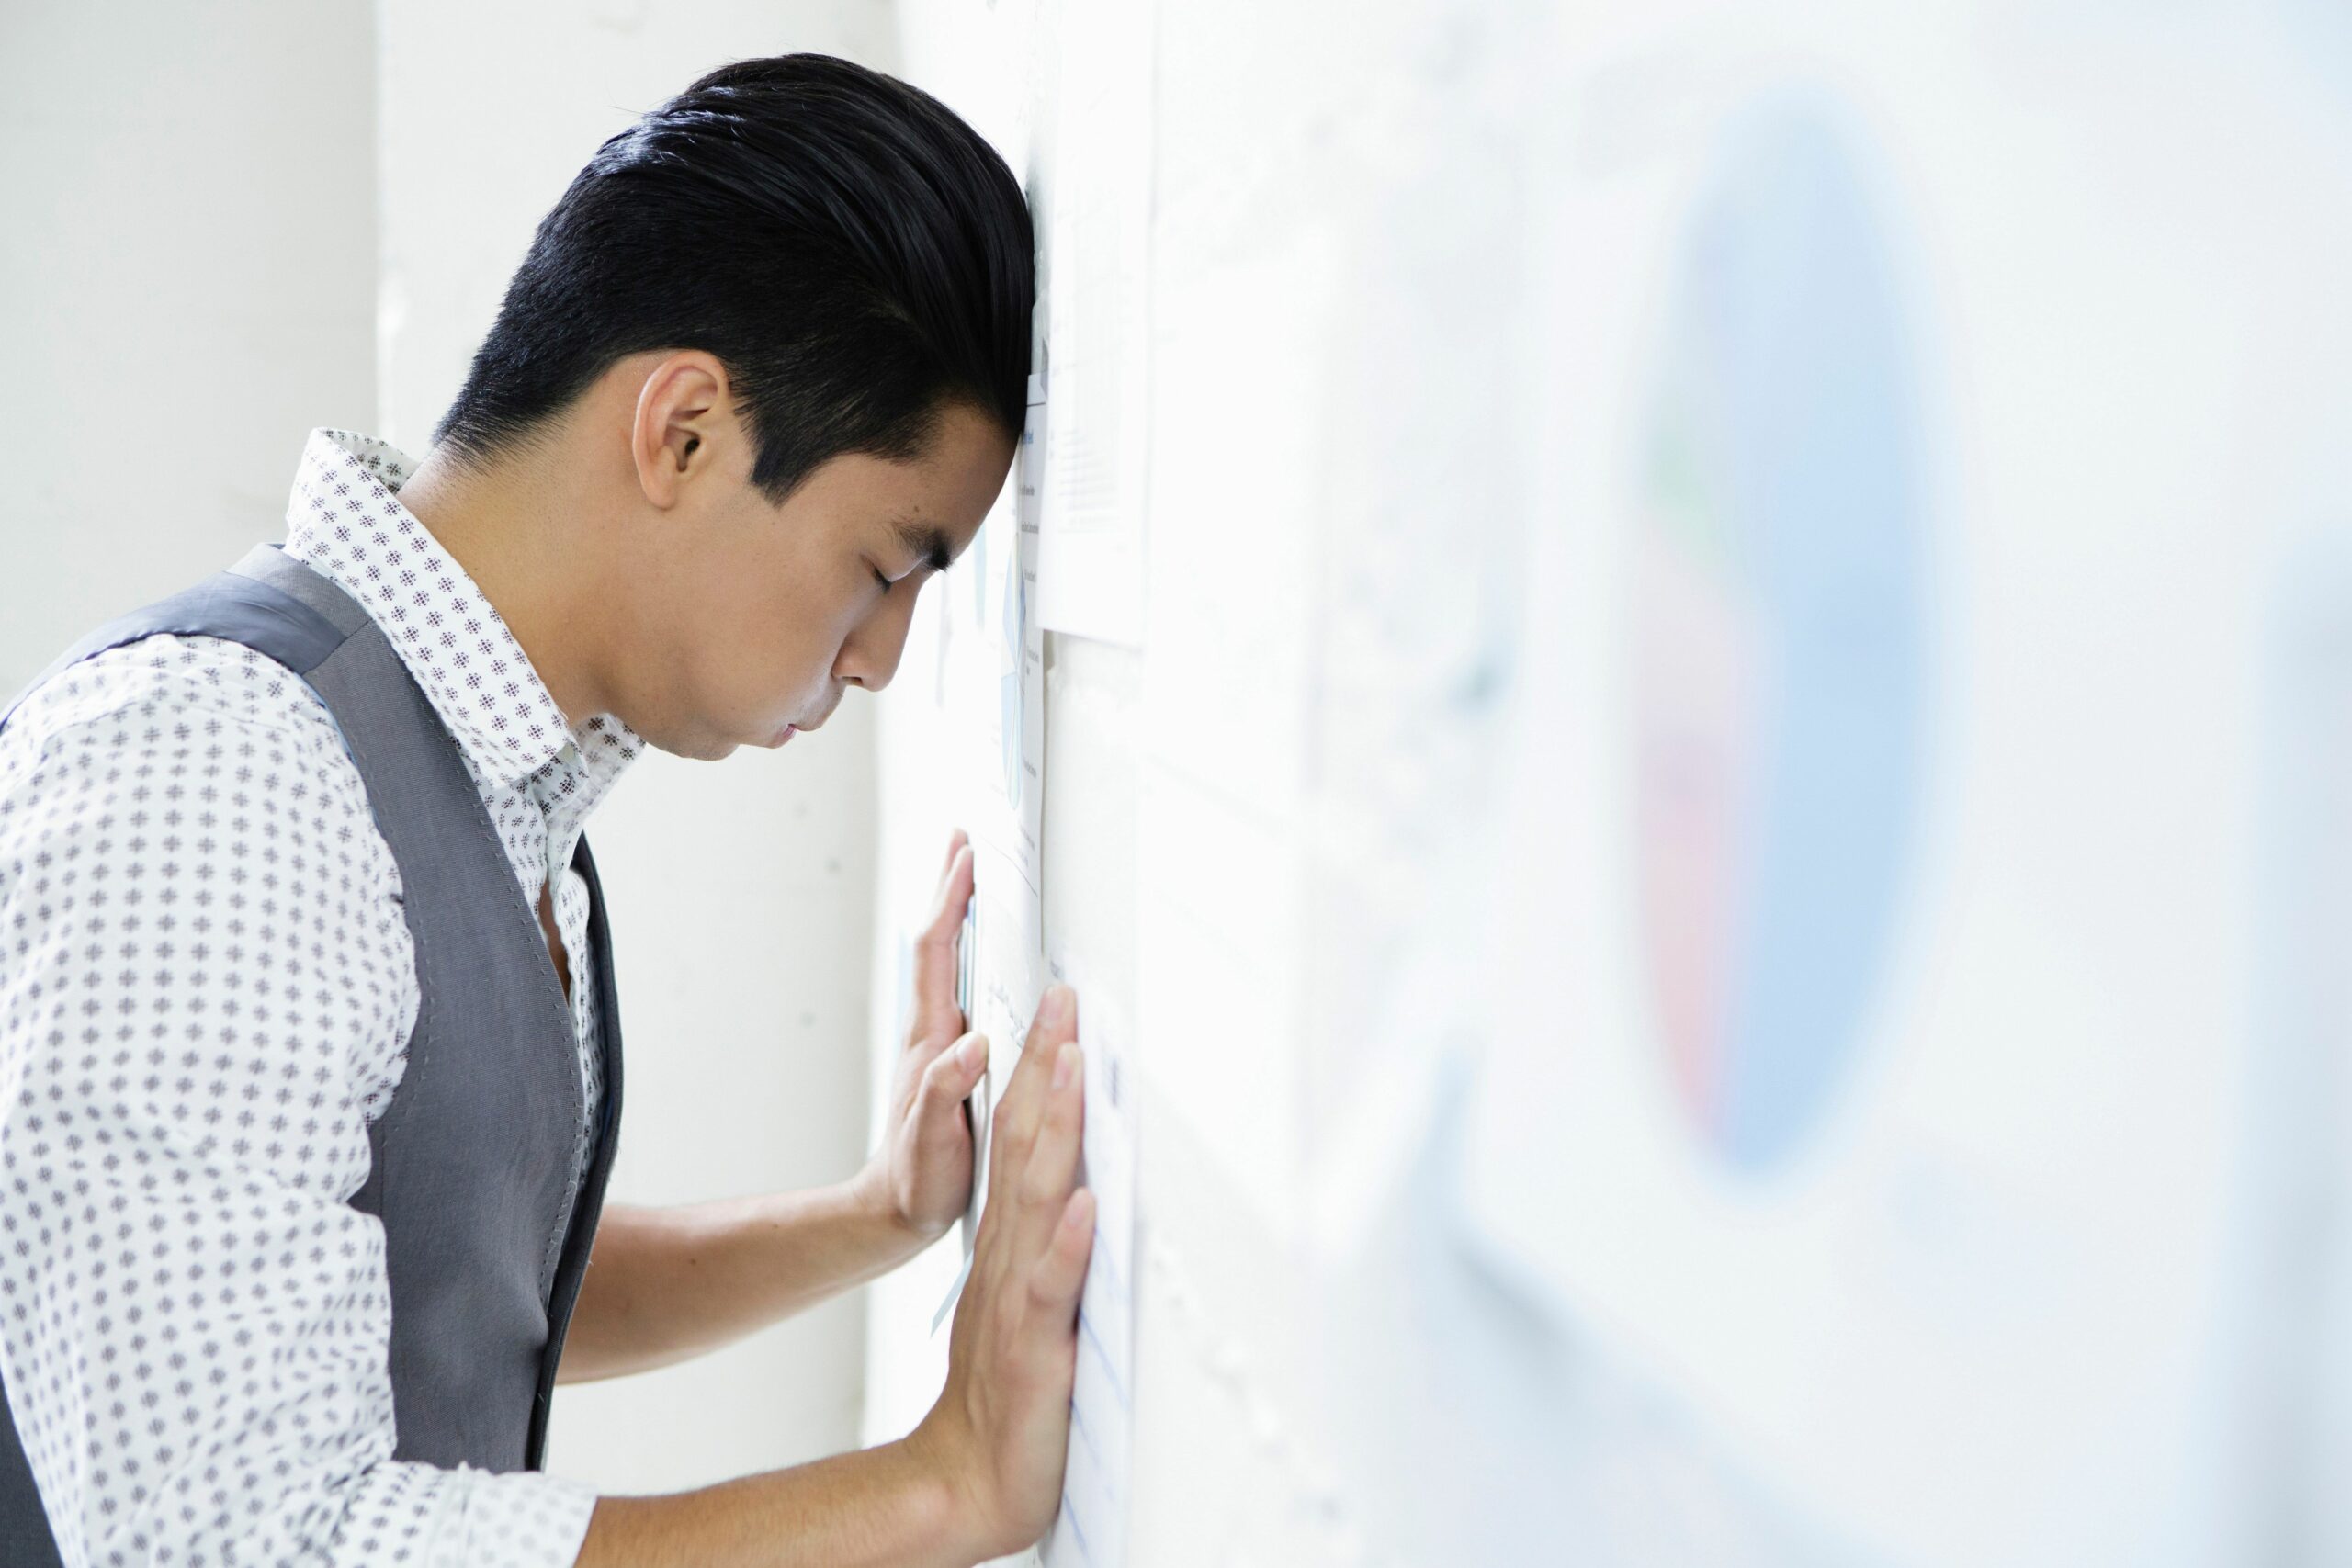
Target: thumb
x=951, y=1078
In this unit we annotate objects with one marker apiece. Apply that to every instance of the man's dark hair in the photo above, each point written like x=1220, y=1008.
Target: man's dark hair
x=852, y=251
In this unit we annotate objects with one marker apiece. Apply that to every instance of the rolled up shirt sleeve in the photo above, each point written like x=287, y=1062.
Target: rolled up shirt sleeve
x=206, y=992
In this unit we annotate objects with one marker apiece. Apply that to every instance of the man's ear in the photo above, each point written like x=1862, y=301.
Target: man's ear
x=682, y=409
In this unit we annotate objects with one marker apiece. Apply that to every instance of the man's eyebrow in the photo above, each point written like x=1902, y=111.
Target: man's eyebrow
x=926, y=539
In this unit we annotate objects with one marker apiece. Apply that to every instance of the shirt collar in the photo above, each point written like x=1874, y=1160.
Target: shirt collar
x=345, y=518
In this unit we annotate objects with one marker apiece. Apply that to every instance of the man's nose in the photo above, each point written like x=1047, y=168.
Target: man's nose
x=870, y=657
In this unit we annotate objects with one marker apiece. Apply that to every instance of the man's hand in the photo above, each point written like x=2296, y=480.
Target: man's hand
x=1001, y=1427
x=921, y=1177
x=667, y=1283
x=979, y=1477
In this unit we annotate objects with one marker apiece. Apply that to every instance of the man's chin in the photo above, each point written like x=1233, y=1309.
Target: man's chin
x=705, y=747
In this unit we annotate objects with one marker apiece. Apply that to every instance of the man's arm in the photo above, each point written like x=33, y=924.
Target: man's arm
x=668, y=1283
x=883, y=1508
x=979, y=1477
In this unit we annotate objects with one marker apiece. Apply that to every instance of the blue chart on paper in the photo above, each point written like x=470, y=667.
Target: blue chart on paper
x=1780, y=653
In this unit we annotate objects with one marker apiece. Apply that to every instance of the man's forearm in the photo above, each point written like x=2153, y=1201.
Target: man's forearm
x=667, y=1283
x=891, y=1506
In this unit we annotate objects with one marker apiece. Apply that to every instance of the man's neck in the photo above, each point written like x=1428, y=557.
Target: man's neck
x=519, y=538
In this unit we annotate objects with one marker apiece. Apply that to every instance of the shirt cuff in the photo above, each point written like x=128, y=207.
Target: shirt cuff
x=520, y=1520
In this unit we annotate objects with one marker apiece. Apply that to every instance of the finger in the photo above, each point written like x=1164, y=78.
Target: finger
x=1059, y=1277
x=1023, y=1104
x=936, y=1014
x=1054, y=1021
x=958, y=867
x=949, y=1082
x=928, y=1040
x=948, y=906
x=1051, y=1171
x=1054, y=1026
x=956, y=842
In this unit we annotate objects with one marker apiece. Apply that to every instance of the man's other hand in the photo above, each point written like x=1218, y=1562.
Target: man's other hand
x=1000, y=1429
x=921, y=1177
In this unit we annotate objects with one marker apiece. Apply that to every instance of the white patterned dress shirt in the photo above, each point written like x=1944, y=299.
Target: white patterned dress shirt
x=207, y=987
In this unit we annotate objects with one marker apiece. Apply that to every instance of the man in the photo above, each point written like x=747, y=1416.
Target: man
x=304, y=1117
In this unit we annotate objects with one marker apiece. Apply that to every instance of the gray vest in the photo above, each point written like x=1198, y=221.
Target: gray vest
x=485, y=1238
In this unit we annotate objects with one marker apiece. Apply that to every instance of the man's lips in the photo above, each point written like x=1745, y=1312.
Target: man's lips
x=789, y=730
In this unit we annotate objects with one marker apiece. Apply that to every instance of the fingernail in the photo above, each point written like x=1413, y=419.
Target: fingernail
x=1056, y=1006
x=976, y=1050
x=1066, y=1064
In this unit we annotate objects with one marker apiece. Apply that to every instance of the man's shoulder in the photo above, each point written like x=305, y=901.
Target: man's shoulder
x=165, y=694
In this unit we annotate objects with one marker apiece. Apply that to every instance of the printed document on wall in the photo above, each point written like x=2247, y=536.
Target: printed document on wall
x=996, y=674
x=1097, y=265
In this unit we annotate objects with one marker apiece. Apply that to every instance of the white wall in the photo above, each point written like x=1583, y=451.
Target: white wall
x=741, y=893
x=1536, y=394
x=186, y=279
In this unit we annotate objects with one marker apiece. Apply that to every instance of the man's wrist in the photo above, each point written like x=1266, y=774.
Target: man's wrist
x=942, y=1472
x=870, y=1199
